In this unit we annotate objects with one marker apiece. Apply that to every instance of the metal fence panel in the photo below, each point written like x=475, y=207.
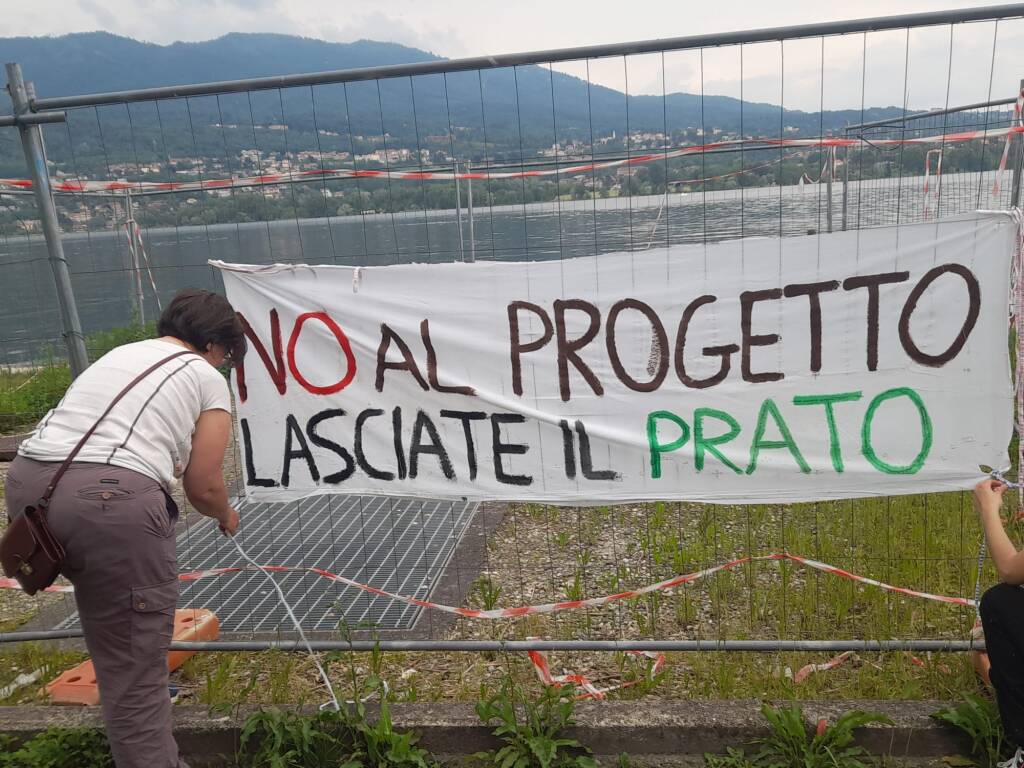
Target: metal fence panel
x=528, y=115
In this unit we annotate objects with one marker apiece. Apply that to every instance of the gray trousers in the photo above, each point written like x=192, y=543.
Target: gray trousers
x=117, y=529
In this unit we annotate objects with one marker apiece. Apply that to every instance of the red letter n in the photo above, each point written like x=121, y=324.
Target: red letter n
x=274, y=367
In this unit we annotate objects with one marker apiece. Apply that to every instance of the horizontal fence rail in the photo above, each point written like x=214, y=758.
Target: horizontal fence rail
x=932, y=113
x=518, y=646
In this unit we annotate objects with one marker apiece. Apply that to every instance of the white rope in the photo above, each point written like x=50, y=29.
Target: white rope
x=28, y=381
x=291, y=614
x=982, y=553
x=654, y=229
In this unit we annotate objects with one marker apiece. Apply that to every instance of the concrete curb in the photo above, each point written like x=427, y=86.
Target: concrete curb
x=648, y=727
x=9, y=445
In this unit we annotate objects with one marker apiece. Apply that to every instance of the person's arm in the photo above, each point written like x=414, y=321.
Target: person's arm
x=203, y=482
x=988, y=500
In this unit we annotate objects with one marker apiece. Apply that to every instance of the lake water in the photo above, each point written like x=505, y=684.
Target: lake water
x=30, y=321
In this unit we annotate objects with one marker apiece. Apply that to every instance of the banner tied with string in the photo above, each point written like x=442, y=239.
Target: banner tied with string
x=864, y=363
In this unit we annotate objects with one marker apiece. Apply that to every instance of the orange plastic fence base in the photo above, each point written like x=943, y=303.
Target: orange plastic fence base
x=78, y=685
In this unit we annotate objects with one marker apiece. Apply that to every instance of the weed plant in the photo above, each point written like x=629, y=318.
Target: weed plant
x=347, y=738
x=275, y=738
x=58, y=748
x=734, y=757
x=486, y=592
x=532, y=729
x=219, y=693
x=978, y=718
x=789, y=745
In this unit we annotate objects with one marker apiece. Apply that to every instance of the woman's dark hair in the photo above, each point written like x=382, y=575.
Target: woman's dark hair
x=201, y=318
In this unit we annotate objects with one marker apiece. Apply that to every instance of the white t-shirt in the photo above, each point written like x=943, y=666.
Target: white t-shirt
x=150, y=430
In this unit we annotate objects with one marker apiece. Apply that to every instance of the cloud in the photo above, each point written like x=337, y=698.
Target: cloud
x=251, y=5
x=105, y=18
x=442, y=40
x=880, y=69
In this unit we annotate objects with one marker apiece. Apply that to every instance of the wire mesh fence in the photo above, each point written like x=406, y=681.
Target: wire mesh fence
x=547, y=159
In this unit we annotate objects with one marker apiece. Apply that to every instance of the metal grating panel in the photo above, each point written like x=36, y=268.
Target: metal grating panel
x=397, y=544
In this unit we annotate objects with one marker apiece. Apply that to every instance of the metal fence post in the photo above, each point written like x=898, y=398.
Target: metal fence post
x=469, y=205
x=1018, y=166
x=830, y=164
x=846, y=178
x=458, y=212
x=135, y=277
x=35, y=157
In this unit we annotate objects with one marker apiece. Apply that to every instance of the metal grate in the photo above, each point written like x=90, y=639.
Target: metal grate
x=397, y=544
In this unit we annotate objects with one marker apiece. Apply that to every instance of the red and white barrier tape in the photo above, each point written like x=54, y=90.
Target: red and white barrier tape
x=65, y=185
x=135, y=266
x=131, y=229
x=927, y=166
x=526, y=610
x=1006, y=146
x=804, y=672
x=591, y=691
x=927, y=181
x=919, y=663
x=539, y=661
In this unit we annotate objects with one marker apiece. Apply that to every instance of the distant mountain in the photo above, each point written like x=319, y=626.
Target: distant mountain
x=517, y=111
x=90, y=62
x=99, y=61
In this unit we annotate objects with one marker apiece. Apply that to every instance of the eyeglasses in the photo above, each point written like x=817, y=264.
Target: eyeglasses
x=228, y=361
x=233, y=355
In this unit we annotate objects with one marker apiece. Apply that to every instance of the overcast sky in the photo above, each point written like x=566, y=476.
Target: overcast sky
x=928, y=69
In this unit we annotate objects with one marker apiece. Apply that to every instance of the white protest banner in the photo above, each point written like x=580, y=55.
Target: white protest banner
x=858, y=363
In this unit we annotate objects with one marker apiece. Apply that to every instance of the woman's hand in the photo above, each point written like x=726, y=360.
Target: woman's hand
x=988, y=497
x=229, y=522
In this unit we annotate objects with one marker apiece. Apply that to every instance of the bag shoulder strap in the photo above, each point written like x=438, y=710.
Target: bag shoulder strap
x=44, y=502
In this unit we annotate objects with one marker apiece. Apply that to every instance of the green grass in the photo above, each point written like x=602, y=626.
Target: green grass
x=927, y=542
x=27, y=394
x=30, y=657
x=58, y=748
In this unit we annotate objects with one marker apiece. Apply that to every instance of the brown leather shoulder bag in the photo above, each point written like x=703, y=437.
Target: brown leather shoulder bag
x=29, y=552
